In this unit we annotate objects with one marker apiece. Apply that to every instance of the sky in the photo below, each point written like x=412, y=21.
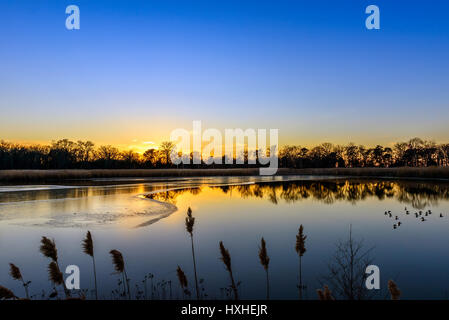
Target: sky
x=136, y=70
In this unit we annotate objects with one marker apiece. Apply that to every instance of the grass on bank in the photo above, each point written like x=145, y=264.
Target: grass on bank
x=8, y=176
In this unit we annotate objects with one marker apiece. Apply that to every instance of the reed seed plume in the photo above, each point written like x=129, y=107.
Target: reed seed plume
x=264, y=261
x=300, y=250
x=226, y=258
x=6, y=294
x=54, y=274
x=263, y=256
x=190, y=221
x=88, y=248
x=325, y=294
x=300, y=241
x=88, y=245
x=181, y=277
x=14, y=271
x=119, y=266
x=394, y=290
x=117, y=260
x=48, y=248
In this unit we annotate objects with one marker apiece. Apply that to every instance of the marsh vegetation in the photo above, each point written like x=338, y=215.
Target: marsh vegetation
x=264, y=253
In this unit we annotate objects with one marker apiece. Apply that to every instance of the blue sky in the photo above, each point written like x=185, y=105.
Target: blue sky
x=138, y=69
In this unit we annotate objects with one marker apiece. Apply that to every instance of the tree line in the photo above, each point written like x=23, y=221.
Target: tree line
x=67, y=154
x=413, y=153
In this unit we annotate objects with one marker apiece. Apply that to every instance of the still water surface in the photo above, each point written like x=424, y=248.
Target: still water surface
x=145, y=220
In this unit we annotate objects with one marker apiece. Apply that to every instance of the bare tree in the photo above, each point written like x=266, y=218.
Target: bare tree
x=151, y=156
x=347, y=269
x=84, y=150
x=166, y=149
x=108, y=153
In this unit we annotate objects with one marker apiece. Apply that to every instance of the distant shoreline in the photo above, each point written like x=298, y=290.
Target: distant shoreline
x=28, y=176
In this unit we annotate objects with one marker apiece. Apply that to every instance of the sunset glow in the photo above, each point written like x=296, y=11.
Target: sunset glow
x=266, y=66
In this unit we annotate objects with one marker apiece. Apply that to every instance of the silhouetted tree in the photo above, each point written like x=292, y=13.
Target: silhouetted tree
x=166, y=149
x=347, y=269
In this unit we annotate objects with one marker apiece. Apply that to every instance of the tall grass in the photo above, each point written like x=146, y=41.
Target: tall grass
x=88, y=248
x=119, y=266
x=394, y=290
x=145, y=280
x=300, y=250
x=325, y=294
x=264, y=261
x=68, y=174
x=182, y=281
x=226, y=258
x=49, y=250
x=397, y=172
x=6, y=294
x=54, y=175
x=190, y=221
x=16, y=274
x=55, y=276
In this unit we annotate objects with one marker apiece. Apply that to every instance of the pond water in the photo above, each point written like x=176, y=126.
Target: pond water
x=145, y=220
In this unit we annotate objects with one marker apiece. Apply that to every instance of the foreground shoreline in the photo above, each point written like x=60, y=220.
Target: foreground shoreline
x=8, y=176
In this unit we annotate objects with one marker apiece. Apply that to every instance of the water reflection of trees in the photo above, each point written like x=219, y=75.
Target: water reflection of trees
x=171, y=195
x=417, y=194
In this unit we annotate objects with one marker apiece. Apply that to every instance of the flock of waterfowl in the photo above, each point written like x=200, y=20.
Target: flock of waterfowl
x=419, y=215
